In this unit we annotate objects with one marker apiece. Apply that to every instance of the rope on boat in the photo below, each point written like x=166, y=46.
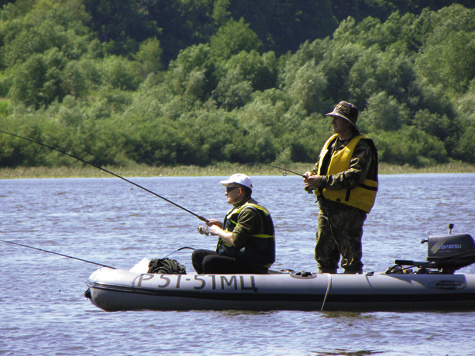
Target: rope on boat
x=328, y=290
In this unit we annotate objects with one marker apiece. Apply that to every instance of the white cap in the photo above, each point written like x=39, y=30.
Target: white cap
x=238, y=178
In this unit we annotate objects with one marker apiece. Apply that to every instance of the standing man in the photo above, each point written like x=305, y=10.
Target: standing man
x=246, y=236
x=345, y=180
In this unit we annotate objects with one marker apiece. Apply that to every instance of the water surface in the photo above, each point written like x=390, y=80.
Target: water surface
x=108, y=221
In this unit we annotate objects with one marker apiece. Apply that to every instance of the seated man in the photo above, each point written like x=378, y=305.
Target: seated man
x=246, y=237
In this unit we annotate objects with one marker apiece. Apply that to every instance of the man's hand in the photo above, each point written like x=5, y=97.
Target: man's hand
x=227, y=236
x=312, y=181
x=215, y=230
x=215, y=222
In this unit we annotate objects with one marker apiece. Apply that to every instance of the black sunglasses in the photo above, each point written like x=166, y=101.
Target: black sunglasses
x=228, y=189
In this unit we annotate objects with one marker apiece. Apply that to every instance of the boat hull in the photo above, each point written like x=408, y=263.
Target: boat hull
x=115, y=289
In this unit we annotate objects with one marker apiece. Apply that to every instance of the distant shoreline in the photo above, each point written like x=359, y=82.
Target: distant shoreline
x=221, y=169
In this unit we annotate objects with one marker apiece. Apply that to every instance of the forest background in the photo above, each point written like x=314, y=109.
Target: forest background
x=212, y=82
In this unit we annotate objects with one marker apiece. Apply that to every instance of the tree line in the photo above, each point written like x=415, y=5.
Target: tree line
x=206, y=81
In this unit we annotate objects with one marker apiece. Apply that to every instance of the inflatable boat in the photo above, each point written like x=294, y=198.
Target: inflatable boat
x=407, y=286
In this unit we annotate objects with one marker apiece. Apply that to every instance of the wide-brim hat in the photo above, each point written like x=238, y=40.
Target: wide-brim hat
x=346, y=111
x=238, y=178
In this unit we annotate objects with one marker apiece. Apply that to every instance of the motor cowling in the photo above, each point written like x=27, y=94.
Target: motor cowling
x=450, y=252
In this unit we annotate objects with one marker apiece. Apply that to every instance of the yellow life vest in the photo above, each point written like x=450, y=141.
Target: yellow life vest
x=363, y=195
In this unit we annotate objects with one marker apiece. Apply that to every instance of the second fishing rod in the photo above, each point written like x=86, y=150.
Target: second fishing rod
x=321, y=199
x=308, y=190
x=107, y=171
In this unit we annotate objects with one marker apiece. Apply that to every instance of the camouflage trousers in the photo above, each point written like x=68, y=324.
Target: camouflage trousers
x=340, y=229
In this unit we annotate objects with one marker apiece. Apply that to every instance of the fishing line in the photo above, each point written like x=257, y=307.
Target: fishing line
x=105, y=170
x=56, y=253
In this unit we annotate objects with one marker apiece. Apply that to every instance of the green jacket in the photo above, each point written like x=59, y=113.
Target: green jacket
x=253, y=235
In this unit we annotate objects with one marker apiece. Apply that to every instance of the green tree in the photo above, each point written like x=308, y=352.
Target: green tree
x=259, y=70
x=409, y=146
x=232, y=38
x=184, y=23
x=121, y=24
x=337, y=63
x=377, y=71
x=120, y=73
x=73, y=80
x=282, y=25
x=44, y=78
x=360, y=9
x=29, y=27
x=149, y=56
x=224, y=95
x=233, y=91
x=451, y=61
x=448, y=53
x=308, y=87
x=435, y=124
x=383, y=113
x=464, y=138
x=193, y=73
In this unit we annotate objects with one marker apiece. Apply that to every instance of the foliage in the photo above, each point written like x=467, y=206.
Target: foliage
x=149, y=56
x=448, y=54
x=121, y=24
x=197, y=82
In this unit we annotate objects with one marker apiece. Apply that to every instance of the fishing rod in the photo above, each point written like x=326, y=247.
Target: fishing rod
x=56, y=253
x=181, y=248
x=288, y=170
x=310, y=191
x=283, y=169
x=105, y=170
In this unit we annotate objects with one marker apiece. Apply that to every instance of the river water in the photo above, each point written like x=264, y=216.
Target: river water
x=108, y=221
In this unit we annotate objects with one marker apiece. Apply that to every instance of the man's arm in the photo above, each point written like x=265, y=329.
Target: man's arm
x=248, y=222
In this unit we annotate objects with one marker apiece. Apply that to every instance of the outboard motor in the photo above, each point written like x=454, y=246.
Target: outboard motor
x=445, y=253
x=450, y=252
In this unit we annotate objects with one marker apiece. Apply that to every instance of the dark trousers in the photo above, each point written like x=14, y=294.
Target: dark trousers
x=209, y=262
x=340, y=229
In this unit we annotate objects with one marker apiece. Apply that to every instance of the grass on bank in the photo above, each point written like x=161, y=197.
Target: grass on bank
x=221, y=169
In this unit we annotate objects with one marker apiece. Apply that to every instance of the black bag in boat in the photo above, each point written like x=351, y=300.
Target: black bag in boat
x=165, y=266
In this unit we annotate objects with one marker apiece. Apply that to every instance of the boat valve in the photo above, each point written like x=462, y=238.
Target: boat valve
x=451, y=226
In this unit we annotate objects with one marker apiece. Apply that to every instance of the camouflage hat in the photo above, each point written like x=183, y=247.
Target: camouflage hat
x=346, y=111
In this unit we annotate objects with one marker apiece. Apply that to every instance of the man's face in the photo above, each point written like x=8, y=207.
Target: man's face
x=340, y=125
x=233, y=193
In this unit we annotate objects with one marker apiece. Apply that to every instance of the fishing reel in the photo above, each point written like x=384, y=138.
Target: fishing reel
x=203, y=230
x=445, y=254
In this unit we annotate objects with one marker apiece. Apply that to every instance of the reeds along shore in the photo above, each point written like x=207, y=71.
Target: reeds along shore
x=222, y=169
